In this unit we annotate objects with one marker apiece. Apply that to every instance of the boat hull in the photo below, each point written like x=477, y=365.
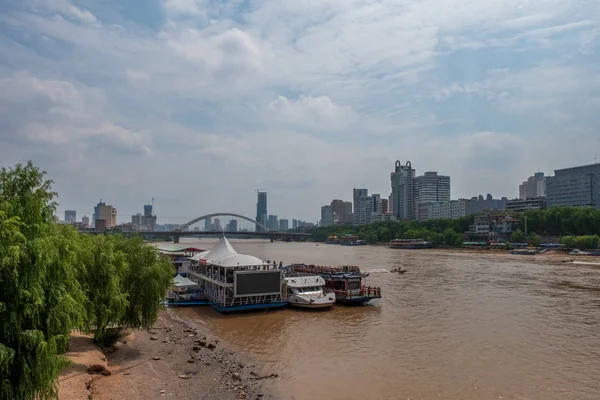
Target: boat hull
x=321, y=302
x=249, y=307
x=185, y=303
x=355, y=301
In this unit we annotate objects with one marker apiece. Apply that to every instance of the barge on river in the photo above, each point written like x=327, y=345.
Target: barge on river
x=347, y=282
x=237, y=282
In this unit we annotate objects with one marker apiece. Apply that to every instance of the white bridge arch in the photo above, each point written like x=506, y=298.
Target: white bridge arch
x=192, y=222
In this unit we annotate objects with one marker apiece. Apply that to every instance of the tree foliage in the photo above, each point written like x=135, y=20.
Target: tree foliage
x=581, y=242
x=449, y=232
x=54, y=279
x=561, y=221
x=517, y=237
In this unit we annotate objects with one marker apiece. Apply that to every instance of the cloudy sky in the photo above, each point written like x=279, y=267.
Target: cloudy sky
x=198, y=103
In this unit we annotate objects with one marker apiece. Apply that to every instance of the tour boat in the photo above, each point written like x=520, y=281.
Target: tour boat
x=349, y=240
x=332, y=240
x=307, y=292
x=237, y=282
x=410, y=244
x=346, y=282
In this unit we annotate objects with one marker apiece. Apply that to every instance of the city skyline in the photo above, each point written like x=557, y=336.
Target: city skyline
x=129, y=105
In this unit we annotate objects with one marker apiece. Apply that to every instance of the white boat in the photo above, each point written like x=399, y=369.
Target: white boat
x=307, y=292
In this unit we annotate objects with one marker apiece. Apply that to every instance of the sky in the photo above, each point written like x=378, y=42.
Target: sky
x=199, y=103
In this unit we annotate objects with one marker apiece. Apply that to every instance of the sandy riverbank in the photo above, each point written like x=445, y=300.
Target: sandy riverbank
x=177, y=359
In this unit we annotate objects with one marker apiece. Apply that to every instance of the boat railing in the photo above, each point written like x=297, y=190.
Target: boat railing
x=365, y=291
x=320, y=269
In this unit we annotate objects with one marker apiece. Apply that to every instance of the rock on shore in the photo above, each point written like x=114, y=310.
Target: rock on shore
x=175, y=359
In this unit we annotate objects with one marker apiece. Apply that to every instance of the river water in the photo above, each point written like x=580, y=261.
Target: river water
x=455, y=326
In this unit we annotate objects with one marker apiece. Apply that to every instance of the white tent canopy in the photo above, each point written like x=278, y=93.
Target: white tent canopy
x=224, y=255
x=180, y=281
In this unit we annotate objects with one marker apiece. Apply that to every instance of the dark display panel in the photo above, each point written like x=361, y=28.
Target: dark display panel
x=250, y=284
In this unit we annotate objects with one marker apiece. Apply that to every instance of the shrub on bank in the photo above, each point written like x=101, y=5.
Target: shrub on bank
x=588, y=242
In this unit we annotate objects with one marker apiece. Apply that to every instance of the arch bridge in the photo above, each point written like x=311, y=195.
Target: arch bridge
x=224, y=214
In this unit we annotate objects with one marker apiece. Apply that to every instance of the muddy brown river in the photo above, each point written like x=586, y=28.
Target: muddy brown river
x=455, y=326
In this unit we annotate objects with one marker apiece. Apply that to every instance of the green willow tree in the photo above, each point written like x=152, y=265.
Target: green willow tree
x=145, y=282
x=102, y=271
x=39, y=294
x=54, y=279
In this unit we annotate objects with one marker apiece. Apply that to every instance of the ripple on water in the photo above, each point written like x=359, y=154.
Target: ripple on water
x=456, y=325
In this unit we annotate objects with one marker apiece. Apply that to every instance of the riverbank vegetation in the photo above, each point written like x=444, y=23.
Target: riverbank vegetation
x=438, y=231
x=54, y=280
x=562, y=221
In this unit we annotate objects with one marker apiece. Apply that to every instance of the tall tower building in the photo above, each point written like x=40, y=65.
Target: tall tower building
x=326, y=216
x=363, y=207
x=431, y=188
x=403, y=191
x=261, y=208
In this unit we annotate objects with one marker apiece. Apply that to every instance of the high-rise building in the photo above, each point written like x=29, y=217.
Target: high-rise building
x=363, y=207
x=326, y=216
x=294, y=224
x=217, y=225
x=272, y=223
x=85, y=220
x=390, y=204
x=341, y=212
x=533, y=187
x=232, y=226
x=283, y=225
x=105, y=212
x=385, y=205
x=137, y=219
x=376, y=203
x=432, y=187
x=576, y=186
x=149, y=220
x=261, y=209
x=403, y=191
x=70, y=216
x=207, y=224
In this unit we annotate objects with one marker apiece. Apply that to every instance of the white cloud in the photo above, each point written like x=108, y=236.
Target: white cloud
x=56, y=112
x=184, y=7
x=69, y=10
x=136, y=75
x=217, y=86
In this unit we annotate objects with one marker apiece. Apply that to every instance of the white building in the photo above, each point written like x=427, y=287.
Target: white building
x=363, y=207
x=453, y=209
x=432, y=187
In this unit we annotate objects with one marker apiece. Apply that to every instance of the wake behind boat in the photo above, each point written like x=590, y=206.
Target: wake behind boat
x=307, y=292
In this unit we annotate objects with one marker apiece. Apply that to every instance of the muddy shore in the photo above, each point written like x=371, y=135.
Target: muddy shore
x=177, y=359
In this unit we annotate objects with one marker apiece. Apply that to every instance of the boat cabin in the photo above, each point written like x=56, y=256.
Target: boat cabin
x=309, y=285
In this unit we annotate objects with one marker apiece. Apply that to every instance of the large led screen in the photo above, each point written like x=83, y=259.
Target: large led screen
x=255, y=283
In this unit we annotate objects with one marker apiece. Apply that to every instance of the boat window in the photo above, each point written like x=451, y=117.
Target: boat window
x=353, y=285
